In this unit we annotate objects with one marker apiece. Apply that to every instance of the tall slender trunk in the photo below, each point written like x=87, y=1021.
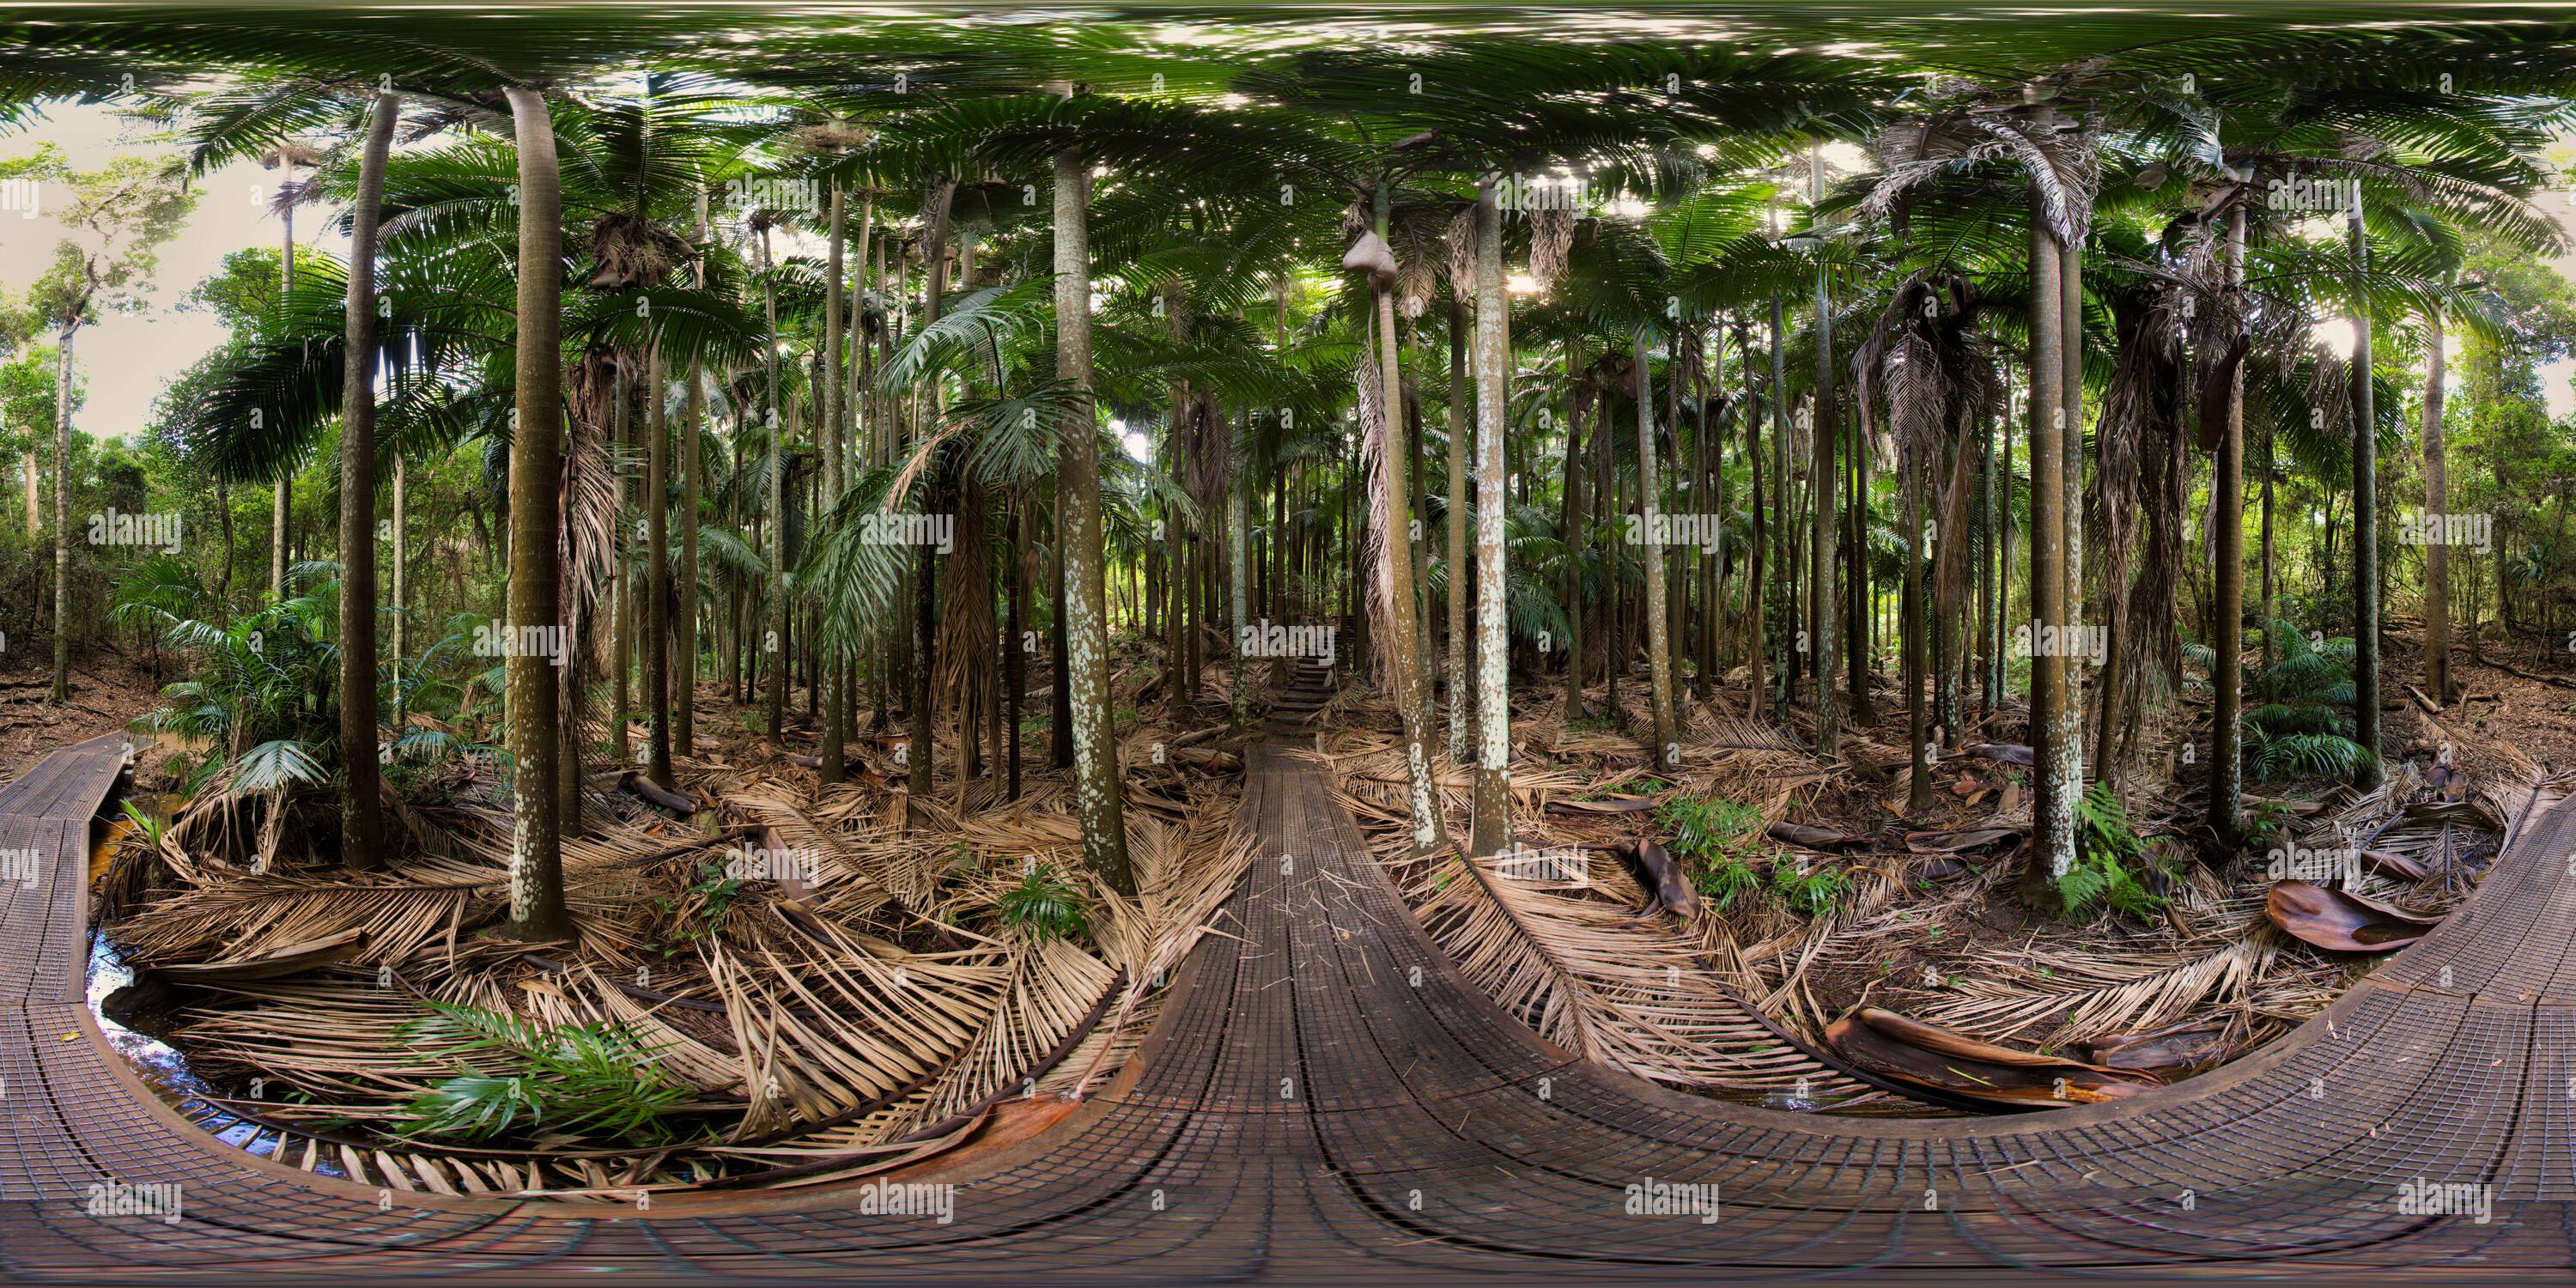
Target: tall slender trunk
x=835, y=733
x=2226, y=761
x=66, y=329
x=2365, y=528
x=1787, y=667
x=2070, y=320
x=1918, y=790
x=360, y=825
x=684, y=669
x=35, y=525
x=282, y=497
x=1757, y=584
x=1990, y=532
x=1578, y=520
x=657, y=562
x=1454, y=547
x=2052, y=734
x=1403, y=636
x=773, y=643
x=621, y=587
x=1238, y=541
x=1014, y=645
x=1086, y=622
x=1821, y=599
x=1667, y=751
x=1491, y=829
x=537, y=910
x=2437, y=504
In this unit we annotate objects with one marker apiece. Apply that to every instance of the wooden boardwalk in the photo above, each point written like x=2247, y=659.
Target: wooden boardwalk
x=1325, y=1099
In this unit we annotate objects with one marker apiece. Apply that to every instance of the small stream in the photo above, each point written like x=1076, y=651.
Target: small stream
x=163, y=1067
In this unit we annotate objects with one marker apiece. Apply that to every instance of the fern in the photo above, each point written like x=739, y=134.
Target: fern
x=1044, y=904
x=2107, y=871
x=1724, y=881
x=588, y=1079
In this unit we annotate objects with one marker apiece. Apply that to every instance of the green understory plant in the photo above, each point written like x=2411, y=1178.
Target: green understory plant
x=515, y=1076
x=2110, y=861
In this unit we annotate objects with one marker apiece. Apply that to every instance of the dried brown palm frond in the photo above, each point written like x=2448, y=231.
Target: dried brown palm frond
x=823, y=1035
x=1054, y=989
x=249, y=916
x=2087, y=997
x=1591, y=978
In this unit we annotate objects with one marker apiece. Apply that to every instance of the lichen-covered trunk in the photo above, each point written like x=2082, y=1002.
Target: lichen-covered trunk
x=1238, y=539
x=1757, y=584
x=2365, y=531
x=772, y=650
x=1578, y=520
x=360, y=823
x=1402, y=636
x=657, y=576
x=2437, y=503
x=2226, y=760
x=1666, y=750
x=1786, y=668
x=1918, y=780
x=684, y=669
x=1463, y=427
x=1823, y=603
x=1086, y=625
x=64, y=333
x=2051, y=714
x=1492, y=829
x=835, y=733
x=537, y=910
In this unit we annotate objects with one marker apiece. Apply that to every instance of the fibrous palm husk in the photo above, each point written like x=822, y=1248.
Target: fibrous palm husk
x=1913, y=1052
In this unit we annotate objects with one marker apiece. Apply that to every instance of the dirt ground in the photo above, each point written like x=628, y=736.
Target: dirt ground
x=109, y=690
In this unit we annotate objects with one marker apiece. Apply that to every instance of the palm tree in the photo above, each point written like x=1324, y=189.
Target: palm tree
x=537, y=907
x=2365, y=521
x=2437, y=561
x=1078, y=532
x=1492, y=831
x=360, y=834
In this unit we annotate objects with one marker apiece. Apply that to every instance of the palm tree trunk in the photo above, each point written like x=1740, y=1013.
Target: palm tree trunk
x=1238, y=540
x=2437, y=503
x=2365, y=529
x=2051, y=716
x=1086, y=620
x=1918, y=790
x=1757, y=584
x=621, y=588
x=1454, y=547
x=773, y=644
x=835, y=734
x=657, y=562
x=1403, y=636
x=1786, y=670
x=2226, y=761
x=684, y=669
x=1491, y=829
x=360, y=825
x=66, y=329
x=282, y=497
x=1823, y=603
x=1666, y=751
x=537, y=910
x=1578, y=520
